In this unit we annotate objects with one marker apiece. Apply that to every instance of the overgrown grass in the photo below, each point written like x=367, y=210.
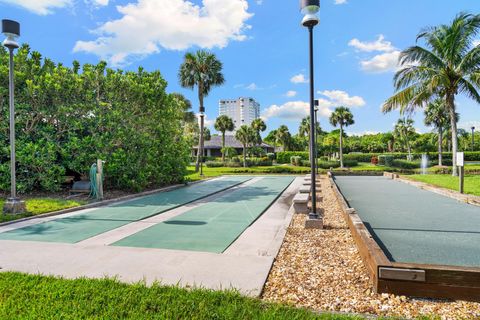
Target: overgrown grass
x=472, y=182
x=38, y=297
x=39, y=206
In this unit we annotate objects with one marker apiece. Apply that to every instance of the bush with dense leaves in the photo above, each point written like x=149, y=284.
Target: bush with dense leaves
x=284, y=157
x=69, y=117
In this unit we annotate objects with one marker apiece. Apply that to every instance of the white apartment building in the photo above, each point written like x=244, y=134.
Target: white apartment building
x=242, y=110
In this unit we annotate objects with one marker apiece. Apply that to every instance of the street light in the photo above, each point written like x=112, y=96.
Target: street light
x=317, y=104
x=11, y=30
x=310, y=8
x=473, y=138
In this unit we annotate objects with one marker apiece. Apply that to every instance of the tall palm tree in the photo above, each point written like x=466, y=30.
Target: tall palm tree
x=245, y=134
x=203, y=70
x=436, y=115
x=223, y=124
x=447, y=66
x=258, y=125
x=341, y=117
x=283, y=136
x=403, y=132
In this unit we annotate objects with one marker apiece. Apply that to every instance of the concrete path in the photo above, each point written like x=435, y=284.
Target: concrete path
x=245, y=265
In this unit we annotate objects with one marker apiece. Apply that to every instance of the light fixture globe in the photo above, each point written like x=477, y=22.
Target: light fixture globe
x=310, y=8
x=11, y=29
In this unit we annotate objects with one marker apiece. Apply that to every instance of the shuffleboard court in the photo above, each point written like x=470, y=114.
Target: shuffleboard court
x=86, y=225
x=213, y=227
x=413, y=225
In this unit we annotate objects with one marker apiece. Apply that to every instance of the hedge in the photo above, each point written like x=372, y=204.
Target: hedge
x=366, y=157
x=285, y=156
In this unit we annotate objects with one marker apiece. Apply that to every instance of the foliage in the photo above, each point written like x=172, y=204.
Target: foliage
x=69, y=117
x=296, y=160
x=341, y=117
x=39, y=297
x=229, y=152
x=203, y=70
x=472, y=182
x=247, y=137
x=285, y=156
x=223, y=124
x=447, y=66
x=39, y=206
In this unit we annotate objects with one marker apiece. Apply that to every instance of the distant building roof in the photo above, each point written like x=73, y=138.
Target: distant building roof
x=216, y=143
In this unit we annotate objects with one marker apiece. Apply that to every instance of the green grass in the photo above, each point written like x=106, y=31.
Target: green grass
x=472, y=182
x=39, y=206
x=215, y=172
x=38, y=297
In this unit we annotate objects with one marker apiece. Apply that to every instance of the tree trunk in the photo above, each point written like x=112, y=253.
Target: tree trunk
x=341, y=146
x=451, y=110
x=200, y=142
x=440, y=140
x=223, y=146
x=244, y=156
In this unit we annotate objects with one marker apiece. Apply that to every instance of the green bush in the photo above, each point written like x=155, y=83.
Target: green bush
x=259, y=162
x=350, y=163
x=271, y=156
x=284, y=157
x=214, y=164
x=296, y=160
x=381, y=160
x=405, y=164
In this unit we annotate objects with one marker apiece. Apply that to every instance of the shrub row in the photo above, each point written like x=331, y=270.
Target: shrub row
x=367, y=157
x=285, y=157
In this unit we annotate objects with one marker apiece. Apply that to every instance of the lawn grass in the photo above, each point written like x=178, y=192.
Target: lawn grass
x=215, y=172
x=39, y=206
x=38, y=297
x=472, y=182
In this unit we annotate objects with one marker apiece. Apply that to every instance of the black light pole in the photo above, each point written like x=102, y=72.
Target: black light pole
x=310, y=8
x=202, y=133
x=316, y=134
x=473, y=138
x=11, y=29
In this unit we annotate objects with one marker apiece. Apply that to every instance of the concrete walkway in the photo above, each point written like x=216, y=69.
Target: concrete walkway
x=245, y=265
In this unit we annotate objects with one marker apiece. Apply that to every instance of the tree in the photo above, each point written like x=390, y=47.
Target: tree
x=447, y=66
x=204, y=71
x=245, y=134
x=223, y=124
x=436, y=115
x=404, y=132
x=258, y=125
x=341, y=117
x=283, y=136
x=271, y=138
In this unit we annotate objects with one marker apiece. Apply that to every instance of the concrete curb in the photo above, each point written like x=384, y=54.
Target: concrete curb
x=101, y=203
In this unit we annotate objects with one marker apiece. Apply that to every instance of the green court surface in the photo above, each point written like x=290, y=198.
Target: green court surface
x=214, y=226
x=86, y=225
x=413, y=225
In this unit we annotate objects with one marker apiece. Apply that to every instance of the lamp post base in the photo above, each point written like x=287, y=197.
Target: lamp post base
x=14, y=206
x=314, y=221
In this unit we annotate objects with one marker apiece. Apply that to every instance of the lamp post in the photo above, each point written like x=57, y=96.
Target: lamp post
x=202, y=121
x=11, y=30
x=310, y=8
x=473, y=138
x=317, y=104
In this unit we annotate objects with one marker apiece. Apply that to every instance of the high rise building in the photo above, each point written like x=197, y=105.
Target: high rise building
x=242, y=110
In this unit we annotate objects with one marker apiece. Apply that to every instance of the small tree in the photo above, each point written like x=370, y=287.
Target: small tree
x=258, y=125
x=223, y=124
x=341, y=117
x=245, y=134
x=283, y=136
x=404, y=132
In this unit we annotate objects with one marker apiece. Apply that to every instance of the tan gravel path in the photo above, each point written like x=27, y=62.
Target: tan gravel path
x=322, y=270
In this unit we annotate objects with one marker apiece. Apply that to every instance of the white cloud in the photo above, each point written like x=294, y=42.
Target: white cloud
x=147, y=26
x=41, y=7
x=259, y=2
x=295, y=110
x=340, y=1
x=342, y=98
x=385, y=61
x=378, y=45
x=291, y=93
x=252, y=87
x=381, y=63
x=101, y=3
x=299, y=78
x=207, y=122
x=467, y=125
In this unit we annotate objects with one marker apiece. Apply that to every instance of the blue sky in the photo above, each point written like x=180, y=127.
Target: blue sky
x=261, y=43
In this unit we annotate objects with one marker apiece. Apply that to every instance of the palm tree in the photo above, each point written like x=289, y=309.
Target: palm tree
x=436, y=115
x=449, y=65
x=223, y=124
x=258, y=125
x=283, y=136
x=245, y=134
x=403, y=132
x=341, y=117
x=203, y=70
